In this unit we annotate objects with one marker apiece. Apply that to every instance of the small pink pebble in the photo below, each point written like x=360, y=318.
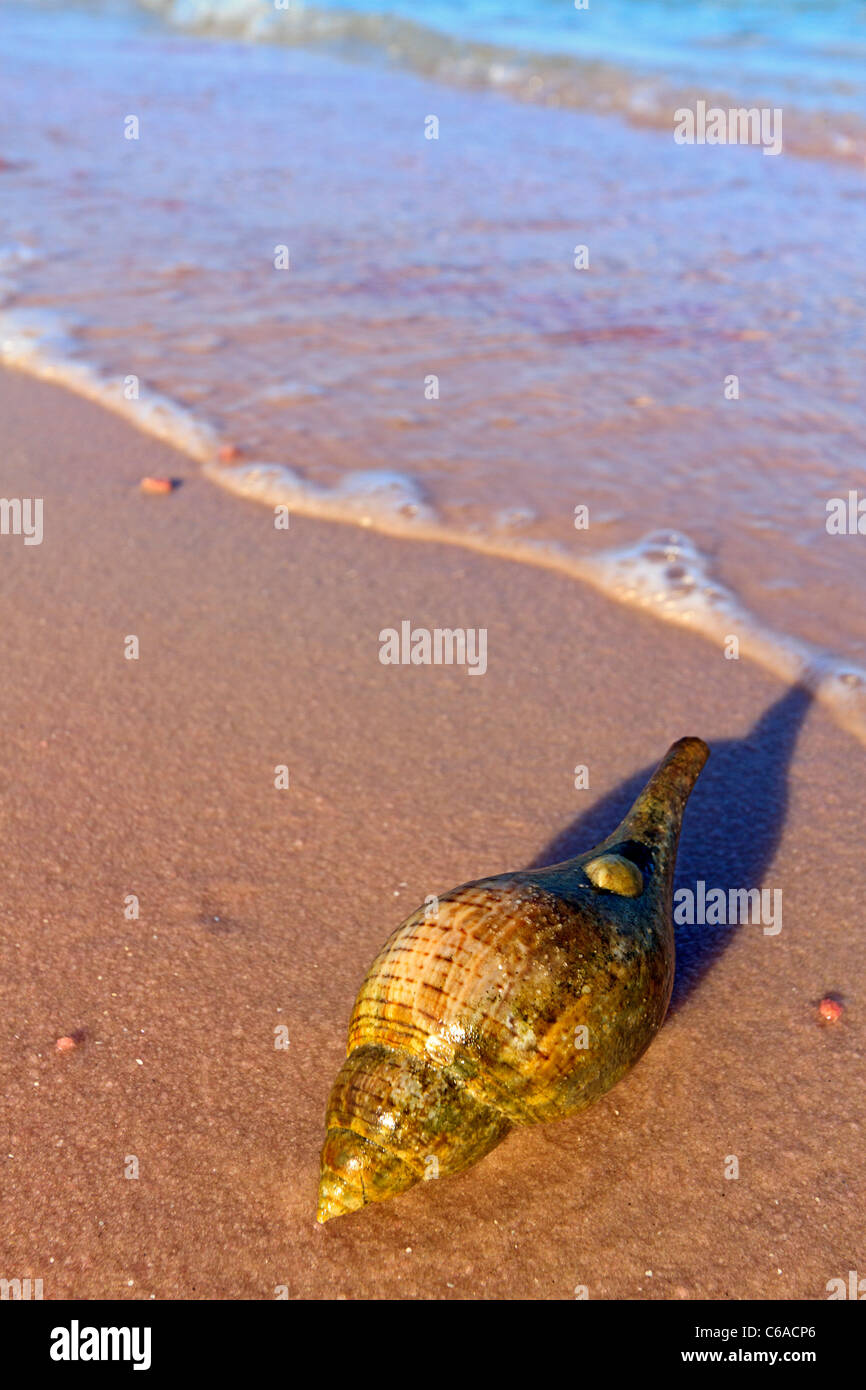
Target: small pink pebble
x=157, y=485
x=227, y=452
x=66, y=1044
x=830, y=1010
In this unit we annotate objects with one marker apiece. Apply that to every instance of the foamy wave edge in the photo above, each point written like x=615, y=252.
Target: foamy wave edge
x=39, y=342
x=663, y=573
x=545, y=79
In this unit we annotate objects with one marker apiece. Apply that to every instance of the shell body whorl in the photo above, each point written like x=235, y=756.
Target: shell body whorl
x=520, y=999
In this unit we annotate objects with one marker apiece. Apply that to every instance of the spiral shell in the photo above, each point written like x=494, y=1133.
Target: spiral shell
x=518, y=999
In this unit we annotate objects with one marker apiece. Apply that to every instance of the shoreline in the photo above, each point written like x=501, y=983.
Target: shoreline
x=259, y=907
x=659, y=381
x=634, y=574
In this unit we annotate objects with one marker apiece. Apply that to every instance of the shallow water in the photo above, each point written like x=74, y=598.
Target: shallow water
x=635, y=56
x=453, y=258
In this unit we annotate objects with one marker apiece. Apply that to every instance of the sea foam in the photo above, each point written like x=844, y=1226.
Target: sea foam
x=663, y=573
x=41, y=343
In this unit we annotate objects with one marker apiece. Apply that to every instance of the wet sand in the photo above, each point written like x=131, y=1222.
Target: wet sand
x=261, y=907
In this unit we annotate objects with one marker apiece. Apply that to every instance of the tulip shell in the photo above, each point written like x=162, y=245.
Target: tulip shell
x=522, y=998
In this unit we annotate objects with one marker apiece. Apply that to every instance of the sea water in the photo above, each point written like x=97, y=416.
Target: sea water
x=444, y=269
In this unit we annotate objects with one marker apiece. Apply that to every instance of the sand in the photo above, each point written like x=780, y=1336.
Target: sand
x=262, y=907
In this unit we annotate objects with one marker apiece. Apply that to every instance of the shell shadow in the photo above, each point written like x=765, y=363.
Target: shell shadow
x=732, y=827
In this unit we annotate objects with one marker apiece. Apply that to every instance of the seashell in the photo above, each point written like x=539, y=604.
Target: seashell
x=831, y=1010
x=522, y=998
x=157, y=486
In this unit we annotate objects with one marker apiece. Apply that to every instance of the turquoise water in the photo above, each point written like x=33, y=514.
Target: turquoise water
x=795, y=50
x=640, y=59
x=637, y=58
x=807, y=46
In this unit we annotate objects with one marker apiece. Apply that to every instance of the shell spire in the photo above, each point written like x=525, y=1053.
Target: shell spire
x=648, y=835
x=656, y=817
x=512, y=1000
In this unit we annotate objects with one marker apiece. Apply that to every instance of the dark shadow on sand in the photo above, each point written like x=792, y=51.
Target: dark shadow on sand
x=732, y=828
